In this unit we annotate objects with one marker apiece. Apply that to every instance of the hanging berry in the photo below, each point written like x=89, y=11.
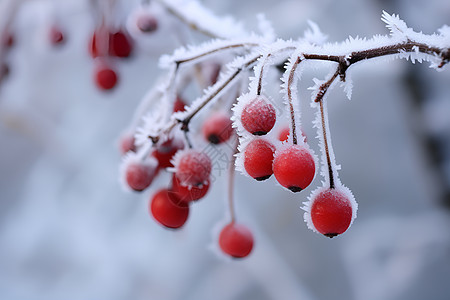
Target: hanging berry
x=259, y=116
x=147, y=23
x=236, y=240
x=139, y=174
x=192, y=167
x=331, y=211
x=188, y=193
x=258, y=159
x=217, y=128
x=166, y=212
x=105, y=76
x=294, y=167
x=166, y=151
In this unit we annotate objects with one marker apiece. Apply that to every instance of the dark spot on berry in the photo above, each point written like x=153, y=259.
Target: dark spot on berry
x=259, y=133
x=263, y=177
x=214, y=139
x=295, y=189
x=330, y=235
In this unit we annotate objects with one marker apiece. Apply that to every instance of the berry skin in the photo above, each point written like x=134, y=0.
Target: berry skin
x=236, y=240
x=331, y=212
x=56, y=36
x=147, y=23
x=192, y=167
x=139, y=175
x=166, y=212
x=126, y=143
x=259, y=116
x=165, y=152
x=217, y=128
x=187, y=194
x=105, y=77
x=258, y=159
x=120, y=44
x=294, y=167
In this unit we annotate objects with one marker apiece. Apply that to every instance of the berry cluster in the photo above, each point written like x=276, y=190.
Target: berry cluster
x=190, y=180
x=265, y=145
x=110, y=41
x=292, y=164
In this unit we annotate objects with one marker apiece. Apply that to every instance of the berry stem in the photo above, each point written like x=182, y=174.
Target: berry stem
x=215, y=91
x=319, y=98
x=231, y=46
x=259, y=88
x=231, y=175
x=325, y=142
x=186, y=137
x=291, y=104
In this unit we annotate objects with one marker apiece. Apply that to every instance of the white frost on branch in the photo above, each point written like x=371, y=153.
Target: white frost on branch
x=197, y=53
x=195, y=13
x=314, y=35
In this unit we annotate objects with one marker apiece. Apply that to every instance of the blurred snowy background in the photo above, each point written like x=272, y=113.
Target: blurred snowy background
x=68, y=230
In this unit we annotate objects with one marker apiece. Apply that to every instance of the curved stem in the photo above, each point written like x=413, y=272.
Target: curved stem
x=319, y=98
x=291, y=104
x=325, y=142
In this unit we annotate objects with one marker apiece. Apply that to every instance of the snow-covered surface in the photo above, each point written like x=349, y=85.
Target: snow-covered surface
x=68, y=231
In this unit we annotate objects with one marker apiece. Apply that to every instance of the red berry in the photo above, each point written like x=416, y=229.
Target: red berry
x=127, y=143
x=105, y=77
x=139, y=175
x=236, y=240
x=258, y=158
x=217, y=128
x=56, y=36
x=120, y=44
x=187, y=193
x=179, y=105
x=166, y=212
x=192, y=167
x=294, y=167
x=258, y=117
x=147, y=23
x=331, y=212
x=165, y=152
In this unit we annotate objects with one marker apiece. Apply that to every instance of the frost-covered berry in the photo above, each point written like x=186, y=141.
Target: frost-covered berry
x=105, y=76
x=259, y=116
x=147, y=23
x=120, y=44
x=166, y=212
x=331, y=212
x=192, y=167
x=187, y=193
x=258, y=159
x=139, y=174
x=126, y=143
x=236, y=240
x=166, y=150
x=294, y=167
x=56, y=36
x=217, y=128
